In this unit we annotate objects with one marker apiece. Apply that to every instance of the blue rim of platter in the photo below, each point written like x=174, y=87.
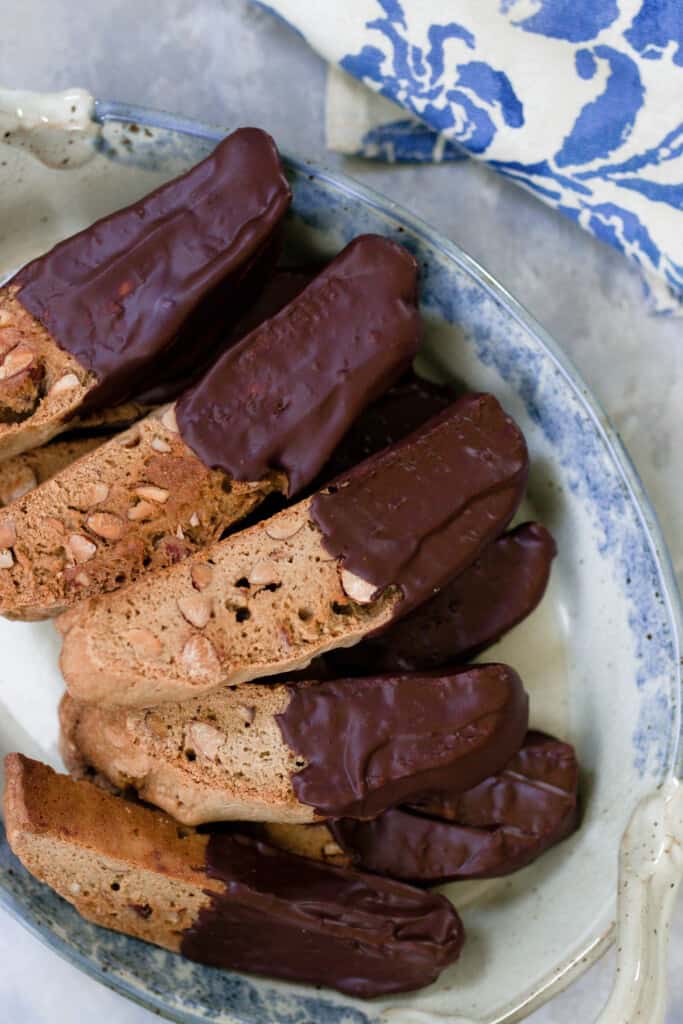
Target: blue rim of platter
x=106, y=111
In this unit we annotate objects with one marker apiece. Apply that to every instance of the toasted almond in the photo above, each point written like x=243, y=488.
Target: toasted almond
x=81, y=548
x=169, y=420
x=144, y=642
x=356, y=588
x=332, y=849
x=194, y=519
x=151, y=493
x=82, y=578
x=143, y=510
x=265, y=571
x=204, y=739
x=20, y=358
x=179, y=532
x=105, y=524
x=130, y=438
x=159, y=445
x=6, y=559
x=282, y=529
x=201, y=574
x=8, y=534
x=93, y=494
x=5, y=318
x=199, y=658
x=156, y=724
x=24, y=482
x=96, y=494
x=65, y=383
x=196, y=609
x=247, y=712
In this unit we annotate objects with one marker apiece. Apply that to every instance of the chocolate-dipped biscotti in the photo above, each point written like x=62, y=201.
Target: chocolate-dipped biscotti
x=469, y=614
x=317, y=576
x=264, y=418
x=341, y=748
x=221, y=899
x=133, y=306
x=497, y=827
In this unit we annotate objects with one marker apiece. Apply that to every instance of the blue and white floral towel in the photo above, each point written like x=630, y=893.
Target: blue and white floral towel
x=580, y=101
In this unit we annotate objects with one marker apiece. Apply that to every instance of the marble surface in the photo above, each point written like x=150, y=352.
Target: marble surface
x=229, y=62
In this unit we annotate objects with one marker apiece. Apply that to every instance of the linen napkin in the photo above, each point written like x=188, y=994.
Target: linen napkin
x=578, y=101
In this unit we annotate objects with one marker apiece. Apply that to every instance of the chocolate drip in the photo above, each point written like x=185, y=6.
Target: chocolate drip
x=374, y=743
x=288, y=917
x=497, y=827
x=500, y=589
x=283, y=396
x=125, y=295
x=420, y=512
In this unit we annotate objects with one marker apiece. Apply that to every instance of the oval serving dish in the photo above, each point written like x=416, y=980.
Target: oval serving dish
x=600, y=657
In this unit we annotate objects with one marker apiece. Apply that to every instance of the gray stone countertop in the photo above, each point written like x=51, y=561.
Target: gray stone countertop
x=229, y=62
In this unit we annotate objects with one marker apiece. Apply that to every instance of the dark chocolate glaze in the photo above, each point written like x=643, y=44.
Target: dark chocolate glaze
x=207, y=333
x=495, y=828
x=400, y=410
x=496, y=592
x=289, y=917
x=278, y=291
x=122, y=296
x=377, y=742
x=284, y=395
x=422, y=511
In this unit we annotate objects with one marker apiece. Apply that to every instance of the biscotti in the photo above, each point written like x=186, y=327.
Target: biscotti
x=493, y=829
x=128, y=308
x=317, y=576
x=154, y=495
x=474, y=610
x=136, y=503
x=22, y=473
x=291, y=753
x=222, y=899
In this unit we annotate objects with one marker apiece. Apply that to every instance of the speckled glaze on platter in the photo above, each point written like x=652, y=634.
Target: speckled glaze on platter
x=600, y=657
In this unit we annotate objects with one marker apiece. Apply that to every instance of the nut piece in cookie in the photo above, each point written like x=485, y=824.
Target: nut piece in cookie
x=88, y=326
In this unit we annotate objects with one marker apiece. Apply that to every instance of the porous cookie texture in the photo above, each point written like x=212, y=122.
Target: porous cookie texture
x=262, y=602
x=42, y=386
x=122, y=865
x=220, y=757
x=139, y=502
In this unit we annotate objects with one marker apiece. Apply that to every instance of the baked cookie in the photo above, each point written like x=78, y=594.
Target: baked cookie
x=222, y=899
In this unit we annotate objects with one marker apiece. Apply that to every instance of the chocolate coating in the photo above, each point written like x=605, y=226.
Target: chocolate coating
x=124, y=296
x=289, y=917
x=377, y=742
x=284, y=395
x=278, y=291
x=400, y=410
x=420, y=512
x=474, y=610
x=497, y=827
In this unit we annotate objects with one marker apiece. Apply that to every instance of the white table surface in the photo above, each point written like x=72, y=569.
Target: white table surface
x=228, y=62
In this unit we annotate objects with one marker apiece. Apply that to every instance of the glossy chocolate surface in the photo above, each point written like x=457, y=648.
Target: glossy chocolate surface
x=373, y=743
x=398, y=412
x=284, y=396
x=421, y=512
x=125, y=295
x=289, y=917
x=495, y=828
x=477, y=608
x=284, y=284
